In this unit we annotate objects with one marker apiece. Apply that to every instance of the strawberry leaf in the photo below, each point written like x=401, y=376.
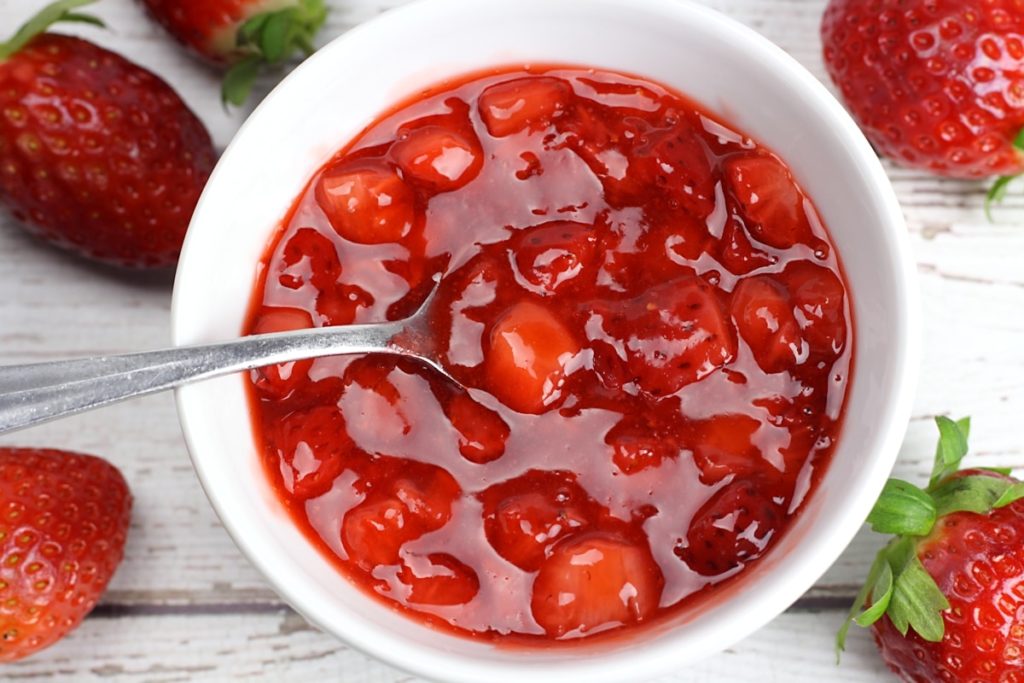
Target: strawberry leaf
x=917, y=602
x=952, y=447
x=75, y=17
x=277, y=36
x=977, y=493
x=1014, y=493
x=251, y=29
x=879, y=565
x=239, y=80
x=60, y=11
x=903, y=510
x=997, y=193
x=881, y=596
x=270, y=39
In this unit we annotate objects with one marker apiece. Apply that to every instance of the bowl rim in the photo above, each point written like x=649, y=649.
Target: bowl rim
x=637, y=663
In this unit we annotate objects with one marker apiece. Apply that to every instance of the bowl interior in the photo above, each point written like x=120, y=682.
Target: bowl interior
x=732, y=72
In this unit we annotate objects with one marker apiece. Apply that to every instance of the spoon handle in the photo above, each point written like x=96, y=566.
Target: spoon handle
x=31, y=394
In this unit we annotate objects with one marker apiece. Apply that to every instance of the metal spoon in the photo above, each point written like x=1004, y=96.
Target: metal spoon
x=31, y=394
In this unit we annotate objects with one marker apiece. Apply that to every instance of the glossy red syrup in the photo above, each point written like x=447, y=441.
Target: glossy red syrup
x=647, y=316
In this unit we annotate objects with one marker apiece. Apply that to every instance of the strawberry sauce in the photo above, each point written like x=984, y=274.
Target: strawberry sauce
x=649, y=322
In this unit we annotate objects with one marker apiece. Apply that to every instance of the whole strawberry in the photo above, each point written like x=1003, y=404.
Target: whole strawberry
x=946, y=596
x=63, y=522
x=935, y=84
x=246, y=35
x=97, y=154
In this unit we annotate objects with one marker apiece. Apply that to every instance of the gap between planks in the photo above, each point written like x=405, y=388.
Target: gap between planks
x=808, y=604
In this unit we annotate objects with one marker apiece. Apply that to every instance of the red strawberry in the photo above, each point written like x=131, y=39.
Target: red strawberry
x=438, y=579
x=245, y=34
x=673, y=335
x=935, y=84
x=734, y=527
x=482, y=432
x=770, y=201
x=819, y=299
x=96, y=154
x=594, y=583
x=738, y=253
x=415, y=503
x=641, y=442
x=311, y=448
x=366, y=202
x=672, y=159
x=63, y=522
x=552, y=255
x=946, y=595
x=764, y=317
x=724, y=446
x=440, y=152
x=525, y=516
x=280, y=380
x=513, y=106
x=527, y=359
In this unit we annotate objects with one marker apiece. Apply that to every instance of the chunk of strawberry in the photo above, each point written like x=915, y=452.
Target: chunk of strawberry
x=672, y=163
x=271, y=320
x=525, y=516
x=311, y=448
x=340, y=304
x=770, y=200
x=527, y=358
x=593, y=583
x=733, y=528
x=417, y=502
x=523, y=103
x=673, y=335
x=277, y=381
x=309, y=257
x=764, y=317
x=440, y=157
x=438, y=579
x=819, y=297
x=638, y=444
x=738, y=254
x=685, y=238
x=723, y=446
x=374, y=532
x=367, y=202
x=550, y=255
x=482, y=432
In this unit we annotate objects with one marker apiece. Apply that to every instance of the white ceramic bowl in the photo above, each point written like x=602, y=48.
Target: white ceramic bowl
x=716, y=61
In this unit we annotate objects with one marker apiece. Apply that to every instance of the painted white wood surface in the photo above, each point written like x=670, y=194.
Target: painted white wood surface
x=185, y=604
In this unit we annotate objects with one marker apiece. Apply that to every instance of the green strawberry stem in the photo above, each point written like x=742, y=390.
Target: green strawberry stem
x=269, y=39
x=898, y=586
x=1001, y=187
x=60, y=11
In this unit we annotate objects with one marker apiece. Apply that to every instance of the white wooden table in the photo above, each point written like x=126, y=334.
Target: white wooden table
x=186, y=606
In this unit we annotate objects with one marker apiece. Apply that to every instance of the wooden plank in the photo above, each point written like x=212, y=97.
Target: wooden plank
x=281, y=647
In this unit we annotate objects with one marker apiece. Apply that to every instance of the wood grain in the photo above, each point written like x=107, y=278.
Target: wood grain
x=187, y=606
x=279, y=646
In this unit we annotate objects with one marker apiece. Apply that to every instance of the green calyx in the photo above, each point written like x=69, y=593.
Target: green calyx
x=269, y=39
x=60, y=11
x=1001, y=187
x=898, y=586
